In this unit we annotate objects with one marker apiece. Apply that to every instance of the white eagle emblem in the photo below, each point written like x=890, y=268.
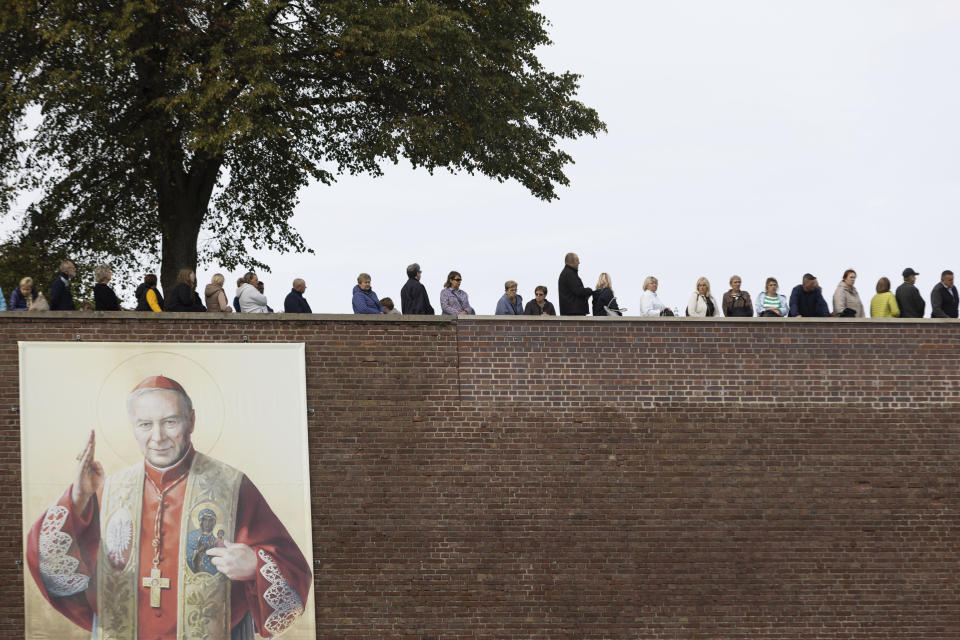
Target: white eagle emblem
x=119, y=536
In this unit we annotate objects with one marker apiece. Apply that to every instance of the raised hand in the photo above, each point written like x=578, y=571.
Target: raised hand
x=237, y=561
x=89, y=476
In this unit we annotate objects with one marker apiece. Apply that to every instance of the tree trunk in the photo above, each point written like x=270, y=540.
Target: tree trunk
x=178, y=244
x=182, y=203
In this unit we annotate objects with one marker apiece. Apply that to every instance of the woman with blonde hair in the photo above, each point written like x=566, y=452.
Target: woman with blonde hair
x=604, y=300
x=104, y=298
x=23, y=296
x=702, y=304
x=650, y=304
x=884, y=304
x=215, y=295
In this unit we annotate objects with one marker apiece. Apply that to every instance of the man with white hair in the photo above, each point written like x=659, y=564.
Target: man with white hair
x=61, y=299
x=131, y=555
x=413, y=295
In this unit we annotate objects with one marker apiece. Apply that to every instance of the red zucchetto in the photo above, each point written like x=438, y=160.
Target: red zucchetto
x=159, y=382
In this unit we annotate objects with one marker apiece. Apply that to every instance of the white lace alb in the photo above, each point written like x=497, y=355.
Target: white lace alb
x=285, y=602
x=57, y=567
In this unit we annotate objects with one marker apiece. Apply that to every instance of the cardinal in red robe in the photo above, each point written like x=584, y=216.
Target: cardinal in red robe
x=131, y=554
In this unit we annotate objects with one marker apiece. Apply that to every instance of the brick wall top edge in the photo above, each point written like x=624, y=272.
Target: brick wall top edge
x=47, y=316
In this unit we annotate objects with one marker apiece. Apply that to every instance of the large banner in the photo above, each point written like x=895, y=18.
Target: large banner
x=166, y=491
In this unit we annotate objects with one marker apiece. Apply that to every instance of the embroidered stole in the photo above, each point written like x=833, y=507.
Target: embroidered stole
x=203, y=601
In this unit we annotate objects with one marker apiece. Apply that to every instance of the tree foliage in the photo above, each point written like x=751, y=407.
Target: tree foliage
x=159, y=119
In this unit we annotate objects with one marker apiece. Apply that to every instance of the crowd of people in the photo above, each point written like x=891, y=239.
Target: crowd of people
x=806, y=299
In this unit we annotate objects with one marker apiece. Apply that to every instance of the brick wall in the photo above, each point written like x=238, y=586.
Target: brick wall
x=611, y=478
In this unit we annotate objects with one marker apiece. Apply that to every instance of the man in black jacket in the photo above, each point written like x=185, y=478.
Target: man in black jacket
x=908, y=296
x=413, y=295
x=61, y=299
x=295, y=302
x=943, y=298
x=571, y=292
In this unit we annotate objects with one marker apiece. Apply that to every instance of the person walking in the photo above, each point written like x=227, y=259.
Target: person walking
x=539, y=306
x=736, y=303
x=510, y=303
x=148, y=296
x=701, y=303
x=771, y=303
x=806, y=299
x=365, y=300
x=215, y=296
x=650, y=304
x=104, y=297
x=61, y=299
x=573, y=295
x=454, y=301
x=413, y=295
x=943, y=298
x=604, y=300
x=846, y=299
x=884, y=304
x=908, y=296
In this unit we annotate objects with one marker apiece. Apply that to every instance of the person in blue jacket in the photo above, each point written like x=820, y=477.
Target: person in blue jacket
x=510, y=303
x=806, y=300
x=364, y=298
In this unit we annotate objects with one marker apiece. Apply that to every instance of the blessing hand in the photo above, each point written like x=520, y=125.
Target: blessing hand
x=89, y=476
x=237, y=561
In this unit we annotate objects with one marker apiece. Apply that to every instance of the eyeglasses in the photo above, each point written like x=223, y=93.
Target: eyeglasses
x=457, y=279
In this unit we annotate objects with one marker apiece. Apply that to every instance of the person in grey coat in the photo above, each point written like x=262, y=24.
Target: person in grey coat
x=908, y=296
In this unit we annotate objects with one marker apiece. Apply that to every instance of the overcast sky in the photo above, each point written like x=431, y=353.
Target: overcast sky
x=751, y=137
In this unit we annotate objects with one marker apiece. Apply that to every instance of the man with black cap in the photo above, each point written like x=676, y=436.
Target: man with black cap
x=908, y=296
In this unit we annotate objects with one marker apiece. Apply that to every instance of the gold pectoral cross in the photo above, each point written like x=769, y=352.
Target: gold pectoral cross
x=154, y=582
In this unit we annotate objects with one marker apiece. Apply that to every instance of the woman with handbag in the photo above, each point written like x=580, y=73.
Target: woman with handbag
x=604, y=301
x=846, y=300
x=650, y=304
x=771, y=303
x=702, y=303
x=736, y=303
x=453, y=299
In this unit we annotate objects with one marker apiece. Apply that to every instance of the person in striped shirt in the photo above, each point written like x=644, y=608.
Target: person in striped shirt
x=771, y=303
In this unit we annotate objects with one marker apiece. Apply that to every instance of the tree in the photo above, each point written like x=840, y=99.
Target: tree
x=162, y=119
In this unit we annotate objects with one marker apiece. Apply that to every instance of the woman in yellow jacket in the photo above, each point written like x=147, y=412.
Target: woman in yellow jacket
x=884, y=304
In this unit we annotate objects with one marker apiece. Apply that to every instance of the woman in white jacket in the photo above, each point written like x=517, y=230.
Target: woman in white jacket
x=702, y=304
x=650, y=304
x=251, y=300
